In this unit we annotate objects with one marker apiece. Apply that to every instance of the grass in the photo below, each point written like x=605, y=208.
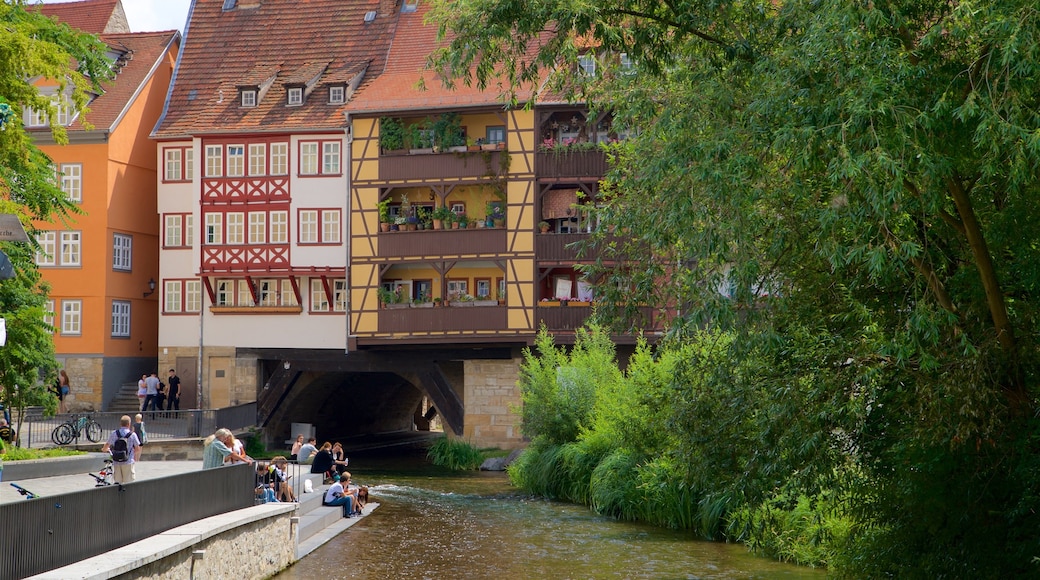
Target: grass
x=22, y=453
x=455, y=454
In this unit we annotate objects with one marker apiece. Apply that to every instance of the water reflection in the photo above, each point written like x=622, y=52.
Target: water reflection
x=436, y=525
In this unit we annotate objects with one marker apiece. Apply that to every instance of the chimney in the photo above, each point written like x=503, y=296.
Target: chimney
x=387, y=7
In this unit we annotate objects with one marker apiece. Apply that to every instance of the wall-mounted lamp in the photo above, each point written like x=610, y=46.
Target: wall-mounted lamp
x=151, y=287
x=286, y=365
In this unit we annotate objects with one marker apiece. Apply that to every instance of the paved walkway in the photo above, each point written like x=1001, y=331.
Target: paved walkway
x=57, y=485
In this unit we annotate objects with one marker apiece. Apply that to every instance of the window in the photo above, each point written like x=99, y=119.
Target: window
x=47, y=254
x=587, y=64
x=496, y=134
x=214, y=161
x=214, y=228
x=245, y=297
x=236, y=160
x=72, y=317
x=330, y=227
x=458, y=208
x=257, y=159
x=319, y=301
x=288, y=294
x=48, y=314
x=627, y=64
x=308, y=226
x=225, y=293
x=178, y=232
x=249, y=98
x=501, y=289
x=483, y=288
x=122, y=252
x=336, y=94
x=295, y=96
x=177, y=162
x=120, y=319
x=279, y=159
x=267, y=293
x=182, y=296
x=235, y=228
x=70, y=248
x=457, y=287
x=279, y=227
x=309, y=158
x=330, y=158
x=257, y=227
x=66, y=115
x=339, y=295
x=72, y=181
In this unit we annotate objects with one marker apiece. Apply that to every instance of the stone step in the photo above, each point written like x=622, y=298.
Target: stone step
x=126, y=400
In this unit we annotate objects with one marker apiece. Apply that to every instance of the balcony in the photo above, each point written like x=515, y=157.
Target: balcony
x=442, y=319
x=554, y=247
x=442, y=242
x=437, y=166
x=571, y=318
x=576, y=165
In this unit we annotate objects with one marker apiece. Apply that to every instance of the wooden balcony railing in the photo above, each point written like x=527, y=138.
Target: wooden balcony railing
x=442, y=319
x=571, y=165
x=554, y=247
x=442, y=242
x=439, y=165
x=571, y=318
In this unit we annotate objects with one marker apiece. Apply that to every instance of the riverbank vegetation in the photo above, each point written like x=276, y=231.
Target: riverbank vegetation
x=460, y=455
x=833, y=206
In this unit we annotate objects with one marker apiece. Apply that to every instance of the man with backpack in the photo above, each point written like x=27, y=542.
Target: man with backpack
x=125, y=448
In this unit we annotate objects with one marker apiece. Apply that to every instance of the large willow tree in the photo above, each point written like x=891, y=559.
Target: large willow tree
x=854, y=187
x=33, y=47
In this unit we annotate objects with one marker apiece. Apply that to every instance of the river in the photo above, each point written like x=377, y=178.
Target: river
x=437, y=524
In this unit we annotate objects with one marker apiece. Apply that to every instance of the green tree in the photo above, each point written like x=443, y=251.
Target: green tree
x=35, y=47
x=852, y=188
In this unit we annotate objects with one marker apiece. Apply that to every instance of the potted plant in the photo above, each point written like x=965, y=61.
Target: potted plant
x=437, y=302
x=419, y=139
x=472, y=145
x=391, y=298
x=447, y=133
x=496, y=214
x=441, y=215
x=399, y=223
x=543, y=226
x=425, y=216
x=391, y=134
x=461, y=221
x=384, y=215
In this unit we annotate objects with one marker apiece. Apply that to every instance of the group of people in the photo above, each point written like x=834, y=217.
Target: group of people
x=152, y=393
x=329, y=460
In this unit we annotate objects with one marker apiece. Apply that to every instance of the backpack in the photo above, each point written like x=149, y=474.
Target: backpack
x=7, y=434
x=121, y=448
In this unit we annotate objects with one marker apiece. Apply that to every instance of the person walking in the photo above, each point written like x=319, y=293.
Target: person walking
x=125, y=448
x=173, y=393
x=152, y=387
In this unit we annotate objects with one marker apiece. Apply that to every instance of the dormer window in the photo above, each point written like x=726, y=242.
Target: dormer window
x=249, y=97
x=295, y=96
x=336, y=94
x=587, y=64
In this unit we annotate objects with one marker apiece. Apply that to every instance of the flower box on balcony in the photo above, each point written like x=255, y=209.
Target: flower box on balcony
x=422, y=304
x=468, y=303
x=549, y=303
x=578, y=303
x=397, y=305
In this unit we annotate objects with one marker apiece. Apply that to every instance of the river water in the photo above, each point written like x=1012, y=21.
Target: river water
x=437, y=524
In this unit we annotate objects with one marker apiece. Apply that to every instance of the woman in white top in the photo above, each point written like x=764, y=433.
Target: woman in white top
x=142, y=391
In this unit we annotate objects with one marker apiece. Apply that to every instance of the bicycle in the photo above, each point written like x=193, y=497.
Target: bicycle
x=28, y=494
x=72, y=429
x=104, y=477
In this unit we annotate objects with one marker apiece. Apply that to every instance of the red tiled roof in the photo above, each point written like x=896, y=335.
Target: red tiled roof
x=396, y=88
x=224, y=50
x=91, y=16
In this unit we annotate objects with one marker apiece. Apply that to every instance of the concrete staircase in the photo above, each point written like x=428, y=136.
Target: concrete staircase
x=317, y=523
x=126, y=401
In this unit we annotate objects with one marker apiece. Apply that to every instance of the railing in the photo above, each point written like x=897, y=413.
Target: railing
x=571, y=164
x=442, y=242
x=558, y=247
x=442, y=319
x=54, y=531
x=439, y=165
x=36, y=430
x=571, y=318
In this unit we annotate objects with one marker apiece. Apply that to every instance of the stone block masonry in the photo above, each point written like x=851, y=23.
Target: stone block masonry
x=491, y=394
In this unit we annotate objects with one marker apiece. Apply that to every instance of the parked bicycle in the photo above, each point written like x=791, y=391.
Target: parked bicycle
x=72, y=429
x=104, y=477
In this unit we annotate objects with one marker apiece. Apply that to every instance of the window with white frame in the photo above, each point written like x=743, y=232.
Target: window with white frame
x=457, y=288
x=236, y=160
x=173, y=230
x=267, y=293
x=70, y=249
x=257, y=159
x=72, y=181
x=308, y=230
x=122, y=252
x=279, y=227
x=309, y=158
x=47, y=255
x=336, y=94
x=225, y=293
x=339, y=295
x=48, y=314
x=173, y=296
x=214, y=161
x=192, y=295
x=483, y=288
x=587, y=64
x=40, y=118
x=245, y=296
x=330, y=226
x=288, y=294
x=257, y=227
x=319, y=300
x=330, y=158
x=295, y=96
x=235, y=228
x=120, y=319
x=214, y=228
x=177, y=164
x=496, y=134
x=627, y=64
x=72, y=317
x=279, y=159
x=248, y=98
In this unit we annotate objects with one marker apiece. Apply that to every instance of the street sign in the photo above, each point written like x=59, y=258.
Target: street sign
x=11, y=229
